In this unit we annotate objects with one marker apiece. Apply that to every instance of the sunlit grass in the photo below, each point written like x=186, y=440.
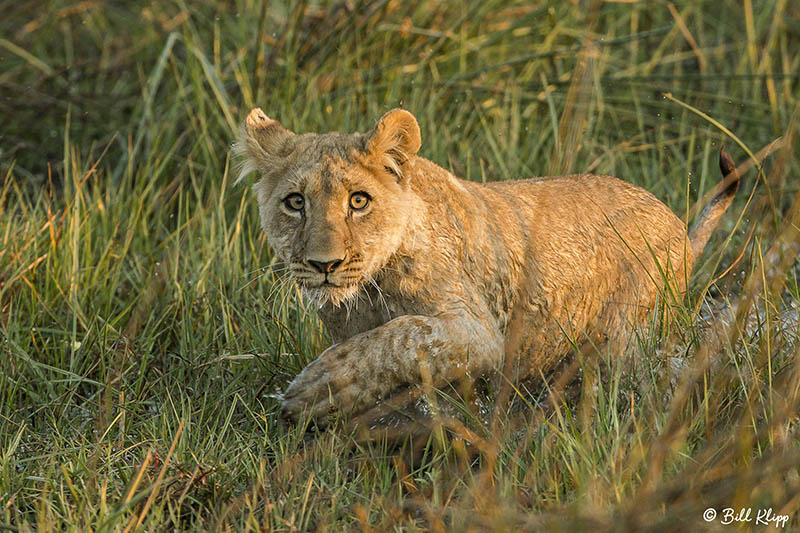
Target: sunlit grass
x=146, y=327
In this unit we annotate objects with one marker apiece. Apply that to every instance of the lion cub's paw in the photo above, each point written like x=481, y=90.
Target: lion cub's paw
x=333, y=384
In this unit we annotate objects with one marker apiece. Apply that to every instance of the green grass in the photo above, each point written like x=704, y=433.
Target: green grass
x=145, y=331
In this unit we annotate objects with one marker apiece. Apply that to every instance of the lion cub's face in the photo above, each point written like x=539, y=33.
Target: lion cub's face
x=334, y=206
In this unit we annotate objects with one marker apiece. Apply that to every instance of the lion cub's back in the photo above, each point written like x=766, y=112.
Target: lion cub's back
x=590, y=207
x=596, y=239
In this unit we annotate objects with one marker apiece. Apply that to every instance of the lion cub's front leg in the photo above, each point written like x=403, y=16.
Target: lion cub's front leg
x=353, y=375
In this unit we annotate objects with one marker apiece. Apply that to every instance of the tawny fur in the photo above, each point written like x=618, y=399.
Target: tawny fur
x=433, y=267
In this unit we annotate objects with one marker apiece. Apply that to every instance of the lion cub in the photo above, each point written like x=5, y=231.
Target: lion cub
x=416, y=272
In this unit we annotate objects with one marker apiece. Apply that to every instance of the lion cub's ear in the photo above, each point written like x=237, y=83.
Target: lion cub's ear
x=395, y=140
x=261, y=141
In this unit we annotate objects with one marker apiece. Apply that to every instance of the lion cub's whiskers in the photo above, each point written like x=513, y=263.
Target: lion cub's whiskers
x=264, y=272
x=381, y=297
x=282, y=285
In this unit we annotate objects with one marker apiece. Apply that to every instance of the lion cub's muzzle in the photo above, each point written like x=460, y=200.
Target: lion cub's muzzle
x=326, y=267
x=327, y=272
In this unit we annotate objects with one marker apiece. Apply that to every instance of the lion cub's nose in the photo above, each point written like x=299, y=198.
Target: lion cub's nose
x=326, y=267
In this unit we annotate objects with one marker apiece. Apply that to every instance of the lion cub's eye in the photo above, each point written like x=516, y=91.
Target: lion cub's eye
x=359, y=200
x=294, y=202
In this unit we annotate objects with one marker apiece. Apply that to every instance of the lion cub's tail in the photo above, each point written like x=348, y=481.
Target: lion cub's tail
x=709, y=218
